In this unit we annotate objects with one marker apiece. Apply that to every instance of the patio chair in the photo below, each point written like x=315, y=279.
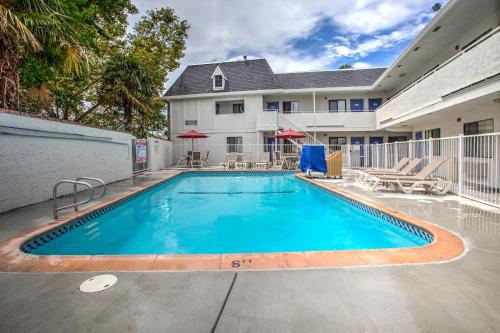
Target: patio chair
x=395, y=169
x=196, y=159
x=182, y=160
x=423, y=176
x=204, y=160
x=405, y=171
x=279, y=161
x=231, y=160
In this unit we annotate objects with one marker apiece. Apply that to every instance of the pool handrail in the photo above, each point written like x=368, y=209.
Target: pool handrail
x=75, y=183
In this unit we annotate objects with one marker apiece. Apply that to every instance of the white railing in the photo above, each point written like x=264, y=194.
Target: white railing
x=218, y=153
x=317, y=111
x=285, y=123
x=474, y=64
x=472, y=162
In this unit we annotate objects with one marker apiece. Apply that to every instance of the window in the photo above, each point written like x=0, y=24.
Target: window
x=357, y=105
x=238, y=108
x=433, y=133
x=234, y=144
x=479, y=127
x=290, y=107
x=436, y=145
x=272, y=106
x=230, y=107
x=337, y=105
x=374, y=103
x=335, y=142
x=190, y=122
x=480, y=146
x=218, y=82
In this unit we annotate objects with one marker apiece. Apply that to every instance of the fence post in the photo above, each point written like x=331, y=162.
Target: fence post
x=410, y=149
x=385, y=155
x=348, y=155
x=396, y=152
x=431, y=149
x=460, y=164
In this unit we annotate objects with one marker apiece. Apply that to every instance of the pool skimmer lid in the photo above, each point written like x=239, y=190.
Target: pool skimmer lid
x=98, y=283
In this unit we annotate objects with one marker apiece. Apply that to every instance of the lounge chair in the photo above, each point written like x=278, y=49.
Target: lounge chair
x=423, y=176
x=182, y=160
x=279, y=162
x=204, y=160
x=395, y=169
x=196, y=159
x=405, y=171
x=231, y=160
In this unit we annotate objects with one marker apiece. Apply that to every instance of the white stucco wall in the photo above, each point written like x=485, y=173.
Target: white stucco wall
x=159, y=154
x=37, y=153
x=479, y=63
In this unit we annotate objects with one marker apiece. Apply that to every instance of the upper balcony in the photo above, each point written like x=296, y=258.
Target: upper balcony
x=318, y=120
x=474, y=71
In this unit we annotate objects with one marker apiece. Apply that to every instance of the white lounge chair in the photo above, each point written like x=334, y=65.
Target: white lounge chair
x=204, y=160
x=423, y=175
x=182, y=160
x=395, y=169
x=231, y=160
x=405, y=171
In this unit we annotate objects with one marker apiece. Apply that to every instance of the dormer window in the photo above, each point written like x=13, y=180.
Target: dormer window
x=218, y=79
x=218, y=82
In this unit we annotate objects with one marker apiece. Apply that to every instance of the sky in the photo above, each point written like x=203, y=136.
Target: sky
x=296, y=35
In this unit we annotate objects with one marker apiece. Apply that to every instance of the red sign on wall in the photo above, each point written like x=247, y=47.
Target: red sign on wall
x=141, y=153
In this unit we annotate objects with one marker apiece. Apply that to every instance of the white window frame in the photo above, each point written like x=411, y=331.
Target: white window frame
x=218, y=72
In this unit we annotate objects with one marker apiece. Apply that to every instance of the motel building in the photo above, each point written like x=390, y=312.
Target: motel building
x=446, y=83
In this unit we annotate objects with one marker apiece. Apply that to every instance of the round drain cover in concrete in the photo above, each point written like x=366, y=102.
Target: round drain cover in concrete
x=98, y=283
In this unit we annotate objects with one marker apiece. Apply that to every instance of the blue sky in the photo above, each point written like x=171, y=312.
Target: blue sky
x=297, y=35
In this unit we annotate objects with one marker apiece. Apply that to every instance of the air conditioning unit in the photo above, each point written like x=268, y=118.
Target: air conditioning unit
x=482, y=171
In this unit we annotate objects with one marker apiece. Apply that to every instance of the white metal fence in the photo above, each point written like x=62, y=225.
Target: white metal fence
x=472, y=162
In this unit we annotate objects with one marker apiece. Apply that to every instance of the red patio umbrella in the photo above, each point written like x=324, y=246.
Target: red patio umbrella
x=289, y=134
x=192, y=135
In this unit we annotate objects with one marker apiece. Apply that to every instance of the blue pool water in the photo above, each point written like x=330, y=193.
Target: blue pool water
x=206, y=214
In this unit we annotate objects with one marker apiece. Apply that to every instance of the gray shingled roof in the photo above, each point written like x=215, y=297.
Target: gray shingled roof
x=327, y=79
x=248, y=75
x=241, y=76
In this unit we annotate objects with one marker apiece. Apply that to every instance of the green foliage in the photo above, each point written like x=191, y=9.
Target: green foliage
x=345, y=66
x=88, y=69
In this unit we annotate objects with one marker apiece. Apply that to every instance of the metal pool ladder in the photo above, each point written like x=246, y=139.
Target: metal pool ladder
x=75, y=183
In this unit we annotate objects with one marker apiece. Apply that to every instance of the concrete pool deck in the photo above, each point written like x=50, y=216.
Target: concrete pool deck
x=461, y=295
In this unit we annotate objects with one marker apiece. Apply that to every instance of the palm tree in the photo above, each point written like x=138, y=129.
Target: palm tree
x=37, y=25
x=125, y=87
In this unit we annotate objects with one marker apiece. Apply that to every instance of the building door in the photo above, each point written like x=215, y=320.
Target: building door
x=374, y=103
x=357, y=105
x=270, y=142
x=376, y=139
x=357, y=151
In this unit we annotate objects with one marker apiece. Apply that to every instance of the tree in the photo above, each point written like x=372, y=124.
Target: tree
x=39, y=25
x=346, y=66
x=126, y=88
x=158, y=41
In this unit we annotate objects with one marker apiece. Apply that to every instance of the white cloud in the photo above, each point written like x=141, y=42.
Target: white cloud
x=361, y=65
x=221, y=29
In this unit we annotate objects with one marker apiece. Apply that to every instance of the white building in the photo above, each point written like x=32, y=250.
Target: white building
x=445, y=83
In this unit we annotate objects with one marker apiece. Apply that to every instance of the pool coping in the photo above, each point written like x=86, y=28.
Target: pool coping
x=444, y=247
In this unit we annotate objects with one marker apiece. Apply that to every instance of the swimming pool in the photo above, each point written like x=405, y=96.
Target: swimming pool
x=221, y=213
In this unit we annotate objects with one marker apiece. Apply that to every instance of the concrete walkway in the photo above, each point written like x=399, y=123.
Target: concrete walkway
x=458, y=296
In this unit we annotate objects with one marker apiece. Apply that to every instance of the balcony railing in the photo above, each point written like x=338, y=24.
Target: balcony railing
x=317, y=111
x=474, y=64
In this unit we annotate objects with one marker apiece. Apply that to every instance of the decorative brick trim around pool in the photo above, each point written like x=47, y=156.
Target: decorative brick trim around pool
x=444, y=245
